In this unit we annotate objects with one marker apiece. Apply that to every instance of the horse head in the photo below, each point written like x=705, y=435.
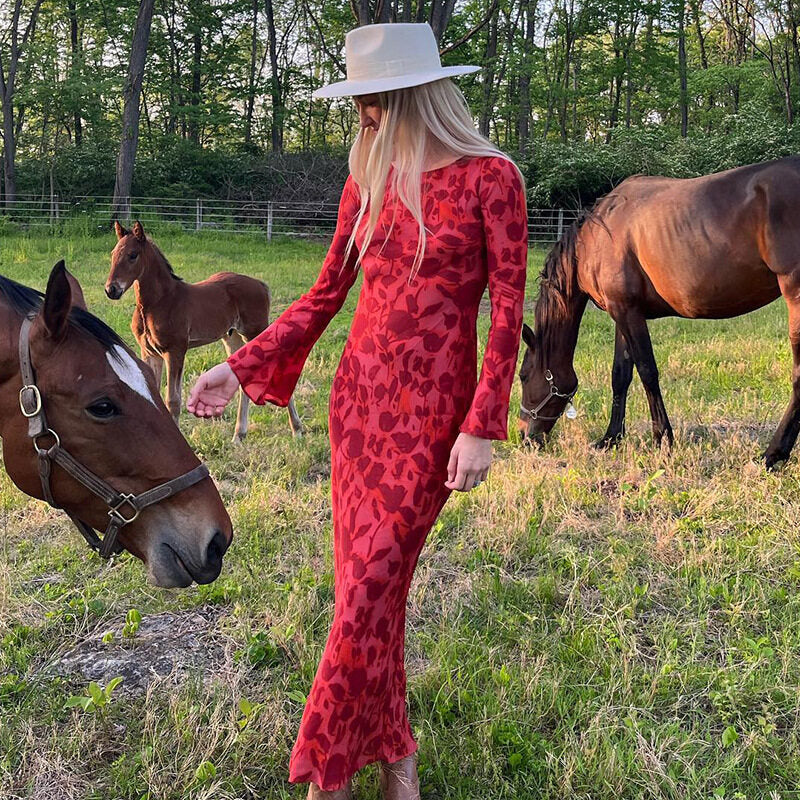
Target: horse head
x=103, y=408
x=547, y=388
x=128, y=259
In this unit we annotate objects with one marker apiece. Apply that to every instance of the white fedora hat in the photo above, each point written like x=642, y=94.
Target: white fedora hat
x=385, y=57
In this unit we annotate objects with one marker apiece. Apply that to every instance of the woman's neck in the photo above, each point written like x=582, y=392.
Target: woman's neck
x=436, y=156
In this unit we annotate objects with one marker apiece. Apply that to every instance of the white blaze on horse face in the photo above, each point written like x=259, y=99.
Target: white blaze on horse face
x=128, y=372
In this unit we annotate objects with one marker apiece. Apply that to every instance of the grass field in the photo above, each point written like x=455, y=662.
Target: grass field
x=587, y=625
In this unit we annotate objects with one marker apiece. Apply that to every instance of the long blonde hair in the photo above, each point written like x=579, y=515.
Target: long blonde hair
x=435, y=111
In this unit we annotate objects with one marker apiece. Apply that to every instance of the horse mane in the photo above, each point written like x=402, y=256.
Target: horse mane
x=24, y=300
x=557, y=279
x=164, y=260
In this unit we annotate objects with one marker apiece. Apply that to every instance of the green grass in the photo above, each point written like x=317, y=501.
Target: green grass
x=587, y=625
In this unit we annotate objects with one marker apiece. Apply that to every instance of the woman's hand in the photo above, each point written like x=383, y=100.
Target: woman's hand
x=469, y=463
x=213, y=391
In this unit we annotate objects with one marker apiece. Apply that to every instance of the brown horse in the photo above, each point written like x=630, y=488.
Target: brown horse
x=84, y=428
x=701, y=248
x=172, y=316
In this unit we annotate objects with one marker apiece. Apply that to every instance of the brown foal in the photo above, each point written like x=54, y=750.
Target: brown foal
x=701, y=248
x=103, y=413
x=172, y=316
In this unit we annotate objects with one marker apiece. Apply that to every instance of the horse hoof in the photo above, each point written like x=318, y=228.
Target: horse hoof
x=664, y=439
x=773, y=460
x=239, y=437
x=607, y=442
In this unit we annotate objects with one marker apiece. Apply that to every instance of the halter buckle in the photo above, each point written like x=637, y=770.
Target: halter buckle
x=35, y=396
x=118, y=516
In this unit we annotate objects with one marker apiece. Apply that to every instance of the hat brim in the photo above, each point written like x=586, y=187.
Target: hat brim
x=374, y=85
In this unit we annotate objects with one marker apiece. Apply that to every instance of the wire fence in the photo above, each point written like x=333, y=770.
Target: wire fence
x=266, y=217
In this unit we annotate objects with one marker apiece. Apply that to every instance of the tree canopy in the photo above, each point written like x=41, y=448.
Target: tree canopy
x=582, y=92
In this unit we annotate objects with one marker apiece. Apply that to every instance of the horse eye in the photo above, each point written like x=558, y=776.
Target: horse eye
x=103, y=409
x=133, y=256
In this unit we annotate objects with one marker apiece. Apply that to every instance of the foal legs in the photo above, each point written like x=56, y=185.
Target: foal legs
x=783, y=441
x=156, y=363
x=174, y=361
x=621, y=376
x=294, y=417
x=233, y=341
x=634, y=329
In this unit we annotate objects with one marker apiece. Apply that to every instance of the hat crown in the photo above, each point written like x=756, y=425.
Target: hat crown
x=389, y=50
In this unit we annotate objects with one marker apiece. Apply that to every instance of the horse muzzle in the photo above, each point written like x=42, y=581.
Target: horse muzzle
x=173, y=564
x=114, y=290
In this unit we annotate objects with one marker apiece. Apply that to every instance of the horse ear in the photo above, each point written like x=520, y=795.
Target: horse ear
x=76, y=292
x=57, y=302
x=138, y=230
x=528, y=336
x=120, y=230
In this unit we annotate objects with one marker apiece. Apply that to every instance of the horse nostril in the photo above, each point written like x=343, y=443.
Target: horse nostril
x=113, y=291
x=216, y=549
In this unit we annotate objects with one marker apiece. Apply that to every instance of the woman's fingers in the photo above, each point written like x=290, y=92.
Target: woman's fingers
x=463, y=481
x=466, y=479
x=452, y=467
x=212, y=391
x=470, y=459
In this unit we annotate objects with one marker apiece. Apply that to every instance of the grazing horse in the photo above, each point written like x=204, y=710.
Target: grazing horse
x=172, y=316
x=702, y=248
x=83, y=428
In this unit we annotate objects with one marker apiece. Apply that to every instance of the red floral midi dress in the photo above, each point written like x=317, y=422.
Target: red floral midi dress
x=405, y=386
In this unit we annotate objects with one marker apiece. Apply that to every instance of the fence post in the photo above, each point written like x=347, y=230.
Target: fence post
x=269, y=221
x=198, y=214
x=560, y=223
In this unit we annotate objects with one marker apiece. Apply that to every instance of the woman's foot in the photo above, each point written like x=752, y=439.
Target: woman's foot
x=315, y=793
x=399, y=781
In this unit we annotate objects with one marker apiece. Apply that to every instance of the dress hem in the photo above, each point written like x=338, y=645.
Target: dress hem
x=360, y=764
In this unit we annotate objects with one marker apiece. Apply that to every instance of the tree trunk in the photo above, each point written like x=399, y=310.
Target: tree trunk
x=130, y=113
x=523, y=123
x=9, y=153
x=8, y=78
x=488, y=77
x=197, y=56
x=278, y=110
x=75, y=45
x=682, y=70
x=361, y=11
x=251, y=82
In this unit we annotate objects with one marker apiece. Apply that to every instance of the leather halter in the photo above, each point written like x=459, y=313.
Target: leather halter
x=534, y=414
x=123, y=508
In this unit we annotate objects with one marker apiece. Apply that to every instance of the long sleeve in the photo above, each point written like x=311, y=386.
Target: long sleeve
x=505, y=221
x=269, y=366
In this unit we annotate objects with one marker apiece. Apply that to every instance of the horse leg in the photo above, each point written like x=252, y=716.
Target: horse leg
x=634, y=330
x=233, y=341
x=294, y=418
x=156, y=363
x=621, y=376
x=174, y=361
x=785, y=436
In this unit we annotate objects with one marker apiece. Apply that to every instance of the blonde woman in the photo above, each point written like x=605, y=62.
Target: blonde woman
x=430, y=214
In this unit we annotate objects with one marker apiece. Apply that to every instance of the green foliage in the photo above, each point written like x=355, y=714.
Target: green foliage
x=596, y=85
x=132, y=621
x=615, y=625
x=96, y=698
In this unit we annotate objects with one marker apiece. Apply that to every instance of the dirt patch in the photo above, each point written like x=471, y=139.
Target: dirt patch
x=166, y=646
